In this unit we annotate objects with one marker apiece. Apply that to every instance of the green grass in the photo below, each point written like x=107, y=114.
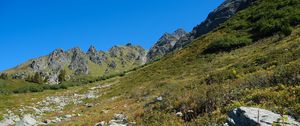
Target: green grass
x=264, y=73
x=227, y=43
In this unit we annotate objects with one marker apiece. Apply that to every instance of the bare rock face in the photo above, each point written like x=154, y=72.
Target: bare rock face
x=129, y=53
x=116, y=51
x=165, y=44
x=96, y=57
x=78, y=62
x=57, y=59
x=38, y=65
x=53, y=79
x=248, y=116
x=27, y=120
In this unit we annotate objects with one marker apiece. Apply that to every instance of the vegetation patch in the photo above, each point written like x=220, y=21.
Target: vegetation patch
x=227, y=43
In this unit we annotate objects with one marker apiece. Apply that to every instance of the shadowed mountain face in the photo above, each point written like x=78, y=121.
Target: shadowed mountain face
x=171, y=42
x=165, y=44
x=78, y=63
x=221, y=14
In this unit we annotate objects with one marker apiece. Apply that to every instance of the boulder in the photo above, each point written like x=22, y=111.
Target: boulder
x=119, y=120
x=6, y=122
x=27, y=120
x=249, y=116
x=100, y=124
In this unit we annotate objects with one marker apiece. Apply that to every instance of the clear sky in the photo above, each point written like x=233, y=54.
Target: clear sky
x=33, y=28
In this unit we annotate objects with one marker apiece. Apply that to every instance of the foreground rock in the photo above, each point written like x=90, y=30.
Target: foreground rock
x=27, y=120
x=118, y=120
x=34, y=114
x=248, y=116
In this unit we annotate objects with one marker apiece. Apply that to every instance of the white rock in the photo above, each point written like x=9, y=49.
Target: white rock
x=27, y=120
x=68, y=116
x=160, y=98
x=103, y=123
x=179, y=114
x=249, y=116
x=6, y=122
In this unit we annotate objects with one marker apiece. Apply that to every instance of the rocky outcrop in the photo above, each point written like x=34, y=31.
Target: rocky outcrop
x=34, y=114
x=248, y=116
x=224, y=12
x=38, y=65
x=128, y=53
x=118, y=120
x=95, y=56
x=57, y=59
x=27, y=120
x=165, y=44
x=78, y=62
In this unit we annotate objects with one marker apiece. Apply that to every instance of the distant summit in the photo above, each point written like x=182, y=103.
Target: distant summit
x=165, y=44
x=177, y=40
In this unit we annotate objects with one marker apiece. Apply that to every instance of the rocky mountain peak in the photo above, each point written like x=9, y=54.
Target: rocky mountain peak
x=221, y=14
x=92, y=50
x=57, y=51
x=179, y=33
x=78, y=61
x=57, y=59
x=215, y=18
x=76, y=50
x=165, y=44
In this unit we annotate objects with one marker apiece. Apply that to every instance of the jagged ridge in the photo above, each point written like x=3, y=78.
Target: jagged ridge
x=78, y=63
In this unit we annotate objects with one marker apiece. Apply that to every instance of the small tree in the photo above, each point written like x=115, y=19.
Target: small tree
x=4, y=76
x=37, y=78
x=62, y=76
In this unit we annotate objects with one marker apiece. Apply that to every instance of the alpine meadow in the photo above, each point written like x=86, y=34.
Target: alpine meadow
x=239, y=67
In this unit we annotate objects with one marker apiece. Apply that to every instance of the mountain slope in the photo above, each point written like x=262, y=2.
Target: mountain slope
x=221, y=14
x=205, y=86
x=230, y=67
x=77, y=63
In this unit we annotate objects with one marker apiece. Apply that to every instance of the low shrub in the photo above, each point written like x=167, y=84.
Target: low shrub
x=227, y=43
x=4, y=76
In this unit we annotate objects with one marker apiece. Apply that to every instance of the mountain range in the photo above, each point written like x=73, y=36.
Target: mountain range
x=240, y=67
x=120, y=58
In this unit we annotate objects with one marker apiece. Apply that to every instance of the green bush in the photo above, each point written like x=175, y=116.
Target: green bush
x=35, y=88
x=288, y=74
x=41, y=88
x=267, y=18
x=269, y=27
x=55, y=87
x=4, y=76
x=227, y=43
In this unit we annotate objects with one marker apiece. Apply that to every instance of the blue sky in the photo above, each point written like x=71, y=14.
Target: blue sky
x=33, y=28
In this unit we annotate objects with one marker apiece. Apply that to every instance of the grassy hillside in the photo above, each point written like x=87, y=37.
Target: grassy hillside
x=245, y=62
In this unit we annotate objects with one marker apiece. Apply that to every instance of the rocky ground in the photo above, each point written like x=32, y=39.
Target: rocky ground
x=38, y=113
